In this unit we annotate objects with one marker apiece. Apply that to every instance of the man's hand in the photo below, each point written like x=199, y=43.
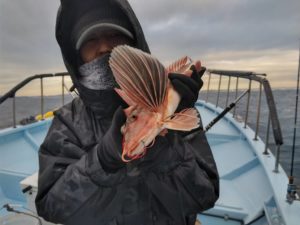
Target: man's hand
x=187, y=87
x=110, y=148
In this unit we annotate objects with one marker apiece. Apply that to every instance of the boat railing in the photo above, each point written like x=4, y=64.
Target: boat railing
x=12, y=92
x=245, y=80
x=240, y=76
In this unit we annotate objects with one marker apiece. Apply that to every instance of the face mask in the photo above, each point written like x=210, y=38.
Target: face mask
x=97, y=75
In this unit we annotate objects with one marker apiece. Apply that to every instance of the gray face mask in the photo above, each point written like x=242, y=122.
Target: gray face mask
x=97, y=75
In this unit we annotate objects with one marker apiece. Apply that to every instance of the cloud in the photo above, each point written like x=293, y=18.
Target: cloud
x=280, y=66
x=231, y=34
x=27, y=35
x=220, y=25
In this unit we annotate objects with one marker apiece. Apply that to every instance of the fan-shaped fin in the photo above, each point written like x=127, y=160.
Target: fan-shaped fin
x=125, y=97
x=141, y=76
x=185, y=120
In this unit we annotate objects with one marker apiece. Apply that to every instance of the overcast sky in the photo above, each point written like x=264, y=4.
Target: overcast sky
x=259, y=35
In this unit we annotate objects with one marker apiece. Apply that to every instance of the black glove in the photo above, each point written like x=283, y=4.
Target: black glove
x=163, y=156
x=110, y=148
x=187, y=87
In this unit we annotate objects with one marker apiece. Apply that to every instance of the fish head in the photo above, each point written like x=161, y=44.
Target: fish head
x=139, y=131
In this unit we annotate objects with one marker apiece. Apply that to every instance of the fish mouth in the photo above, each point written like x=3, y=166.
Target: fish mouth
x=137, y=151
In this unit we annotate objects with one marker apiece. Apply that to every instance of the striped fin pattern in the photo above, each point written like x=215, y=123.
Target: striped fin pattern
x=180, y=65
x=186, y=120
x=141, y=76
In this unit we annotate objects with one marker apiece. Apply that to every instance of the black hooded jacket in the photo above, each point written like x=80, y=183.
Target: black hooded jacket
x=174, y=181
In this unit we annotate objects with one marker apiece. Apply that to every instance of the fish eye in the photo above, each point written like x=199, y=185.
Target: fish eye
x=132, y=118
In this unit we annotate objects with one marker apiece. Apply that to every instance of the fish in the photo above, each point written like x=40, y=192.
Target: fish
x=152, y=100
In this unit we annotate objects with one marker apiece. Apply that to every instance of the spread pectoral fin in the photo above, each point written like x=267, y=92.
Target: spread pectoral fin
x=140, y=75
x=125, y=97
x=186, y=120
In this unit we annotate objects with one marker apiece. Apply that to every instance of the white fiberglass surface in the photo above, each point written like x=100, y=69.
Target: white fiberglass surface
x=17, y=154
x=243, y=183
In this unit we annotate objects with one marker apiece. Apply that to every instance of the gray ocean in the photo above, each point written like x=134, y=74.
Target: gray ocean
x=285, y=103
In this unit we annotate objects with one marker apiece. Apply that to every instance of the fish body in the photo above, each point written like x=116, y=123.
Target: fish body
x=152, y=100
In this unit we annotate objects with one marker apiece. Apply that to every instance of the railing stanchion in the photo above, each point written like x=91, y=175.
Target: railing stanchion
x=236, y=94
x=14, y=112
x=267, y=136
x=63, y=89
x=258, y=112
x=217, y=104
x=208, y=85
x=277, y=159
x=42, y=98
x=12, y=92
x=228, y=88
x=248, y=103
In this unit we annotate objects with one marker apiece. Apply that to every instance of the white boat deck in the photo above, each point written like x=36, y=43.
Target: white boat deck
x=250, y=191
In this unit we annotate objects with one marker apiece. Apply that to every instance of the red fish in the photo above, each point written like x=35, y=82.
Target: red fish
x=145, y=87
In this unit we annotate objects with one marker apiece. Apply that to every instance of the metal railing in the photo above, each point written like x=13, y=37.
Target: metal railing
x=14, y=90
x=264, y=86
x=239, y=75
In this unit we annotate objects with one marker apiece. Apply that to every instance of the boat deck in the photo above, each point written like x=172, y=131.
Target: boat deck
x=249, y=190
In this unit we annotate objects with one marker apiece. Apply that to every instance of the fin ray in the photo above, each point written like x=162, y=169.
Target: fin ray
x=140, y=75
x=180, y=65
x=185, y=120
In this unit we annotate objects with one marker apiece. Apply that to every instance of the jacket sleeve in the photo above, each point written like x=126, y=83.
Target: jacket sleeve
x=69, y=175
x=199, y=175
x=192, y=185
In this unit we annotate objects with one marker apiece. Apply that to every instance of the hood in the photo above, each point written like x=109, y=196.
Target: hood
x=73, y=15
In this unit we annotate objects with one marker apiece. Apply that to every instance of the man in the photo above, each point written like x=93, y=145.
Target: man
x=82, y=179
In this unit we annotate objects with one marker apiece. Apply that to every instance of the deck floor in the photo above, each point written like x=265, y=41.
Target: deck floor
x=239, y=170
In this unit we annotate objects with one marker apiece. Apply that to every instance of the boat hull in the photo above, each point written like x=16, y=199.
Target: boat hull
x=250, y=192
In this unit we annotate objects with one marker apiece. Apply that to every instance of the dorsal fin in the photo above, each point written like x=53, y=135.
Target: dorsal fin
x=141, y=76
x=180, y=65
